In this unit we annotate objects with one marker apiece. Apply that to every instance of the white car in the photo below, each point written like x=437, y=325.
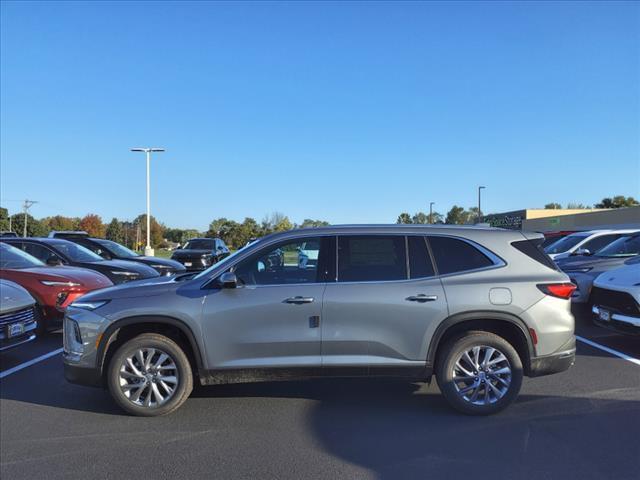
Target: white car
x=584, y=243
x=616, y=298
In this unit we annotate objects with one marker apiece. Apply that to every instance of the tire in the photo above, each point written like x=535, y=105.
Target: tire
x=475, y=387
x=155, y=386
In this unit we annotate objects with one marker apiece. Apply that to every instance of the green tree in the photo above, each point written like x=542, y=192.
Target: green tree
x=115, y=232
x=35, y=228
x=404, y=217
x=619, y=201
x=553, y=206
x=308, y=223
x=59, y=222
x=157, y=231
x=456, y=216
x=4, y=219
x=576, y=206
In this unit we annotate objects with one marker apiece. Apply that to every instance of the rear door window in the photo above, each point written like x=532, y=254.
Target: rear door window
x=420, y=265
x=454, y=255
x=600, y=242
x=371, y=258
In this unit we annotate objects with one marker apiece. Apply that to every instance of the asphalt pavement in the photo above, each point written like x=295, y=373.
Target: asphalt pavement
x=583, y=423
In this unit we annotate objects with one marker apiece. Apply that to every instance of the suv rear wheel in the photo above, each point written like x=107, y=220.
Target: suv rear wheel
x=149, y=375
x=479, y=373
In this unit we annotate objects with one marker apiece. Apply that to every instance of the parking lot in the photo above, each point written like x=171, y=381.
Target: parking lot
x=583, y=423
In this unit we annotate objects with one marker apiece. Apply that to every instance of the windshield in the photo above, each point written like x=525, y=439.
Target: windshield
x=223, y=262
x=76, y=253
x=119, y=250
x=200, y=244
x=628, y=246
x=564, y=244
x=12, y=257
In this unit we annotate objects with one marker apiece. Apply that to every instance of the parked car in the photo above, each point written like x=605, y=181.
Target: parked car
x=584, y=243
x=17, y=315
x=200, y=253
x=110, y=250
x=551, y=237
x=584, y=270
x=491, y=309
x=56, y=251
x=53, y=287
x=8, y=234
x=616, y=299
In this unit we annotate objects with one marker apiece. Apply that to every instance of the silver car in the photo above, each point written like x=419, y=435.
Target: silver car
x=477, y=307
x=18, y=321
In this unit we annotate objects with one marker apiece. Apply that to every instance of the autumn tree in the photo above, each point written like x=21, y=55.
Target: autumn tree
x=157, y=230
x=92, y=224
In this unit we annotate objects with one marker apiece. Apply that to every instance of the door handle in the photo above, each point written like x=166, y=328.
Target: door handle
x=422, y=298
x=299, y=300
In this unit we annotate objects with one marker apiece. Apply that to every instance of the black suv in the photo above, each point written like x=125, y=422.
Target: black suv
x=110, y=250
x=200, y=253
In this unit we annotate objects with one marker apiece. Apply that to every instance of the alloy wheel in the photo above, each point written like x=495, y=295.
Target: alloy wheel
x=482, y=375
x=148, y=377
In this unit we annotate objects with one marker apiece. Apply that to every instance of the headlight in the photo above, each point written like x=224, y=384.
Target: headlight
x=124, y=273
x=53, y=283
x=579, y=270
x=89, y=305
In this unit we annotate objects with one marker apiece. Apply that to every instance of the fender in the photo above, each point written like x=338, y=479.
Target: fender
x=477, y=315
x=142, y=319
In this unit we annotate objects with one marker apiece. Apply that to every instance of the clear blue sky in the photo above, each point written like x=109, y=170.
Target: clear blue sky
x=349, y=112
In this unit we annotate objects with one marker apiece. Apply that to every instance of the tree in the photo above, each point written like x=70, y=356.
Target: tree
x=35, y=228
x=619, y=201
x=115, y=232
x=92, y=224
x=157, y=231
x=404, y=218
x=59, y=222
x=576, y=206
x=553, y=206
x=308, y=223
x=4, y=219
x=456, y=216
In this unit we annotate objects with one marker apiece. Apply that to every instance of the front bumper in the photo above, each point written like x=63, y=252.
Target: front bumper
x=617, y=322
x=554, y=363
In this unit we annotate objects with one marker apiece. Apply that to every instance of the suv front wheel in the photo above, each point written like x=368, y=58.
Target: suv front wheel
x=479, y=373
x=149, y=375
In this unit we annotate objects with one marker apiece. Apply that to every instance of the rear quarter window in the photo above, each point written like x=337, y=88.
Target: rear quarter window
x=534, y=249
x=453, y=255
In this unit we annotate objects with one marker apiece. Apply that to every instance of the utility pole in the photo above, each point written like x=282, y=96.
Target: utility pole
x=25, y=207
x=431, y=204
x=147, y=150
x=479, y=204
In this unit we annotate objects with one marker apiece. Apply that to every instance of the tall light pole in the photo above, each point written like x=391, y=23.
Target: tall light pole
x=431, y=204
x=147, y=150
x=479, y=204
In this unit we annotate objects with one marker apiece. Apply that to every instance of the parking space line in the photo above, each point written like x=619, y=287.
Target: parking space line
x=624, y=356
x=24, y=365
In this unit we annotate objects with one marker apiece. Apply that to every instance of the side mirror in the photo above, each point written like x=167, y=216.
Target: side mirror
x=228, y=280
x=53, y=261
x=583, y=251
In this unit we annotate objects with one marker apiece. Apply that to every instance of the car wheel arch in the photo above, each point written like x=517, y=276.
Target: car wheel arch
x=147, y=323
x=500, y=323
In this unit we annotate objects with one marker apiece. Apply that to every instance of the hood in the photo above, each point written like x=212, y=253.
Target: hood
x=88, y=278
x=190, y=253
x=13, y=297
x=138, y=288
x=626, y=276
x=159, y=261
x=140, y=268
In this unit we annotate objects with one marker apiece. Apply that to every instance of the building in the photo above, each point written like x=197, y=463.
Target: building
x=606, y=218
x=516, y=218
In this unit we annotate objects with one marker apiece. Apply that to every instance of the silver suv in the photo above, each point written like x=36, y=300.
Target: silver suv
x=478, y=307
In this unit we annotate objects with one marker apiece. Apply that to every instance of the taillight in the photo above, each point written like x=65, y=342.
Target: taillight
x=559, y=290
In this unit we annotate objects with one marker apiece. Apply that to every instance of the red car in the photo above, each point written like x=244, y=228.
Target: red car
x=53, y=287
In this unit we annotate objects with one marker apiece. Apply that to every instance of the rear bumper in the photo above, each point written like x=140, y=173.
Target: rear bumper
x=554, y=363
x=82, y=376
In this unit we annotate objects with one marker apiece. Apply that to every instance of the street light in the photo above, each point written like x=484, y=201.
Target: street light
x=479, y=209
x=147, y=249
x=431, y=204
